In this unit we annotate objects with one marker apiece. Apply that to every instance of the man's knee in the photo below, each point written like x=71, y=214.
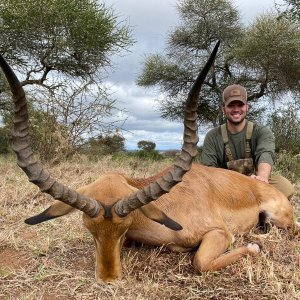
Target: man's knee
x=283, y=185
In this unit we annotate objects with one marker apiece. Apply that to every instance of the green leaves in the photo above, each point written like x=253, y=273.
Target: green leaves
x=291, y=10
x=271, y=48
x=263, y=56
x=74, y=37
x=204, y=22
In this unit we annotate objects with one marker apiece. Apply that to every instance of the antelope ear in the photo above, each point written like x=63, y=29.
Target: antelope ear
x=156, y=215
x=57, y=209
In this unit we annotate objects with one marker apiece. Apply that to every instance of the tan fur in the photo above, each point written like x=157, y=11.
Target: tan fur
x=212, y=205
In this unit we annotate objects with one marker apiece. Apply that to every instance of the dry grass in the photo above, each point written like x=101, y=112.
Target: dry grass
x=55, y=260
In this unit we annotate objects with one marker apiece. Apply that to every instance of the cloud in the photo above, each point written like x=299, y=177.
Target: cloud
x=143, y=121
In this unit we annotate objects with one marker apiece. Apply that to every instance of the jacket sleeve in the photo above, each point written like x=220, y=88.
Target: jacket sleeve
x=209, y=150
x=265, y=147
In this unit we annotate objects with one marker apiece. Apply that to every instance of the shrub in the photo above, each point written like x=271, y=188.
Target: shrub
x=149, y=154
x=4, y=141
x=104, y=144
x=288, y=165
x=285, y=125
x=49, y=138
x=146, y=145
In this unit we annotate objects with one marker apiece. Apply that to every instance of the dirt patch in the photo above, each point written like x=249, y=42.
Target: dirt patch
x=12, y=259
x=78, y=258
x=48, y=296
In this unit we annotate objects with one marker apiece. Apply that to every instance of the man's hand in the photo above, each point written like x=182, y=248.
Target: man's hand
x=263, y=172
x=260, y=178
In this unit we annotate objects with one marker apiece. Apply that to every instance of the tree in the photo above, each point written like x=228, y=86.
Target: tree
x=262, y=67
x=270, y=51
x=285, y=123
x=72, y=37
x=105, y=144
x=82, y=109
x=4, y=141
x=146, y=145
x=62, y=50
x=290, y=10
x=147, y=151
x=50, y=138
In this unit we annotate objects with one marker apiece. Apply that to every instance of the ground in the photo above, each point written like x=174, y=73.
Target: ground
x=55, y=260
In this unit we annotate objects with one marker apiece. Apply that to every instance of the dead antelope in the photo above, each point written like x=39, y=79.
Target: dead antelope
x=205, y=202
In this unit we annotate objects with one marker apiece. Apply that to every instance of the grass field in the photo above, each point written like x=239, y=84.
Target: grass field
x=55, y=260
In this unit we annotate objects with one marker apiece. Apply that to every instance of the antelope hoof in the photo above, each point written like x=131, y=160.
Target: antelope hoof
x=254, y=249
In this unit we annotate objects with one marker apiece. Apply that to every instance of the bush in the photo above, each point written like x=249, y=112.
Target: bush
x=49, y=138
x=288, y=165
x=140, y=155
x=147, y=154
x=146, y=145
x=285, y=125
x=104, y=145
x=4, y=141
x=171, y=153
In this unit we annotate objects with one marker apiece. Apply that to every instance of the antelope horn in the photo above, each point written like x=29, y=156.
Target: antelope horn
x=26, y=160
x=184, y=162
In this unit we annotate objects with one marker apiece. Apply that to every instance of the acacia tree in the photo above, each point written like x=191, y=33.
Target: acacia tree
x=285, y=123
x=146, y=145
x=147, y=151
x=270, y=52
x=258, y=57
x=105, y=144
x=61, y=50
x=72, y=37
x=290, y=10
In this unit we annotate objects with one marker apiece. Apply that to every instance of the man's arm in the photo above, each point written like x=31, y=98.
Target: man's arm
x=264, y=154
x=263, y=172
x=209, y=150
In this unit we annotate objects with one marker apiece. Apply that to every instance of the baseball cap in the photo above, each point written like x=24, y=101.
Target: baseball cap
x=234, y=92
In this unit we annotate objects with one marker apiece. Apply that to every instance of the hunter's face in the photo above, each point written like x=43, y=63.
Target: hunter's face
x=235, y=111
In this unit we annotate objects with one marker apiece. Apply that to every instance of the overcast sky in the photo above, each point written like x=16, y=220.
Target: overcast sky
x=151, y=21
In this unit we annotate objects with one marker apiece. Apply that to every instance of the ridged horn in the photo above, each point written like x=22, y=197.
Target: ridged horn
x=26, y=159
x=184, y=162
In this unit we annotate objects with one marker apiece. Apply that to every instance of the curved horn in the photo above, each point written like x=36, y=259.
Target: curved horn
x=184, y=161
x=26, y=159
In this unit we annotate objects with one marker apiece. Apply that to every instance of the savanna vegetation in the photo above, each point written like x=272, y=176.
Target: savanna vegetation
x=55, y=260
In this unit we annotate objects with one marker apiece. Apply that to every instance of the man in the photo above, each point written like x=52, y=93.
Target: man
x=241, y=145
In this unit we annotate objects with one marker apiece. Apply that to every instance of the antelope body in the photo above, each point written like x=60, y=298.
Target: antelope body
x=207, y=204
x=201, y=208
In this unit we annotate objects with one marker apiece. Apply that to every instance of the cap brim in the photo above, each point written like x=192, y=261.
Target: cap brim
x=231, y=99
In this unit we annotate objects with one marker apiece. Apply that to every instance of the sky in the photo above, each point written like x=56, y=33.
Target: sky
x=151, y=21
